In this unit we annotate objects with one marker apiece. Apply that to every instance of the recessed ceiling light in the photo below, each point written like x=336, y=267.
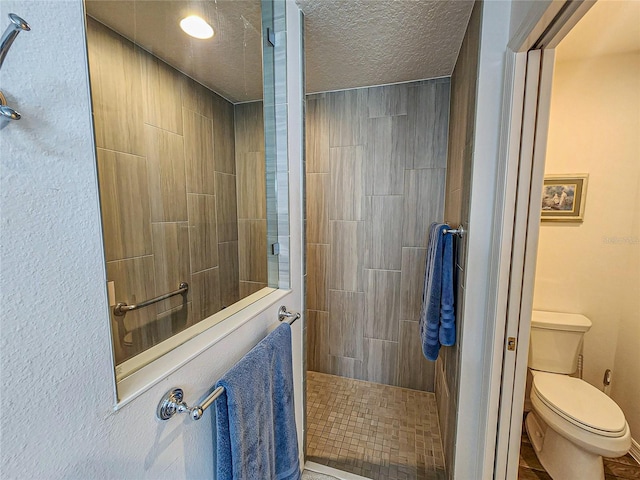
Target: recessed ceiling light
x=196, y=27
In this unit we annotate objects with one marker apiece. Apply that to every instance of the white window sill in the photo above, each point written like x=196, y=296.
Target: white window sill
x=181, y=348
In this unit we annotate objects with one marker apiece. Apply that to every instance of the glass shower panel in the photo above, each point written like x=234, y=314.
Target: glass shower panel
x=179, y=131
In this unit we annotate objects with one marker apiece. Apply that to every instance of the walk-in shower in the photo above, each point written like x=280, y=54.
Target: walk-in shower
x=382, y=163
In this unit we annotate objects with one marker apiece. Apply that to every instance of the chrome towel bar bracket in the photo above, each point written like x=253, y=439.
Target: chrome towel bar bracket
x=121, y=309
x=289, y=317
x=173, y=401
x=460, y=231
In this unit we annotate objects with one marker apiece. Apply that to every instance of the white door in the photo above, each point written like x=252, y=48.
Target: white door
x=532, y=74
x=527, y=172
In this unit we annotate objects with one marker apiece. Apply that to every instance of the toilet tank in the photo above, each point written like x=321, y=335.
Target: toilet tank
x=556, y=341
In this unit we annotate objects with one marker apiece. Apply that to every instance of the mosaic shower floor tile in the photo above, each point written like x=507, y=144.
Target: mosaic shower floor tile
x=377, y=431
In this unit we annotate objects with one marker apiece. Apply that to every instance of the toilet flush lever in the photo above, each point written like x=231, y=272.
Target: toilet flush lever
x=511, y=343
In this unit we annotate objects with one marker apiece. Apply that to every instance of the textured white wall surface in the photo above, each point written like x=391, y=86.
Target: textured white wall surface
x=56, y=370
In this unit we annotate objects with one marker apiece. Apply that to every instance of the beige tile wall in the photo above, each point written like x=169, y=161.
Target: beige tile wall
x=376, y=165
x=166, y=165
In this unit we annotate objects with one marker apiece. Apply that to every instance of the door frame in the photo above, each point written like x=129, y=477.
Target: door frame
x=528, y=81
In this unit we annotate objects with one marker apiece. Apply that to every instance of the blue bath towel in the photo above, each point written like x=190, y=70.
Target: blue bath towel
x=255, y=419
x=437, y=317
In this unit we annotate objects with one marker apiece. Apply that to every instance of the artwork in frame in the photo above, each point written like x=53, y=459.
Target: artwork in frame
x=563, y=197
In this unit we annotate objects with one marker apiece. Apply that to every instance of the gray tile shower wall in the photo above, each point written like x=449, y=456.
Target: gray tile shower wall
x=167, y=173
x=376, y=169
x=456, y=211
x=252, y=196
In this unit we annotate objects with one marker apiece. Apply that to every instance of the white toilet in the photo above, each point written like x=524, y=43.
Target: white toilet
x=572, y=424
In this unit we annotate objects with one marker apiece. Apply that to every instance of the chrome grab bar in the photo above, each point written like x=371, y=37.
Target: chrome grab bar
x=173, y=401
x=121, y=309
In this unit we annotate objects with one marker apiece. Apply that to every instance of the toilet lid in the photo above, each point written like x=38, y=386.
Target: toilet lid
x=580, y=403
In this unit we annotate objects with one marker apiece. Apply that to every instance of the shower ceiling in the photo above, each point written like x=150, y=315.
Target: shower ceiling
x=356, y=43
x=230, y=63
x=349, y=43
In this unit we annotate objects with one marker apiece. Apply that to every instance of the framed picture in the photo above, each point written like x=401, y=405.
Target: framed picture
x=563, y=197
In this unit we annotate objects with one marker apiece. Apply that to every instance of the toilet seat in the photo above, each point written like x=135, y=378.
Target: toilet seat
x=607, y=441
x=580, y=403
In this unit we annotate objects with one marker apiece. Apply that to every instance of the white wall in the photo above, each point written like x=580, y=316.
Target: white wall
x=56, y=371
x=593, y=267
x=626, y=365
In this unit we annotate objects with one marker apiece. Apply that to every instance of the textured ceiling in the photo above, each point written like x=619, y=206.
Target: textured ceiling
x=354, y=43
x=348, y=43
x=609, y=27
x=230, y=63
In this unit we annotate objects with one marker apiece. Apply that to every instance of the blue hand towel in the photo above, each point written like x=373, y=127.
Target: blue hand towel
x=447, y=313
x=437, y=319
x=255, y=419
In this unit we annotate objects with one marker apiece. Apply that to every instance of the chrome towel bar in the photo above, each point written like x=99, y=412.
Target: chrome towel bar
x=173, y=401
x=121, y=309
x=460, y=231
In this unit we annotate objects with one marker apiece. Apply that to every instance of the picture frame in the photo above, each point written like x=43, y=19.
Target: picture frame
x=563, y=197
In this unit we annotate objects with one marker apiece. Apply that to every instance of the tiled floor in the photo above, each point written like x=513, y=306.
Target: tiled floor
x=309, y=475
x=373, y=430
x=623, y=468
